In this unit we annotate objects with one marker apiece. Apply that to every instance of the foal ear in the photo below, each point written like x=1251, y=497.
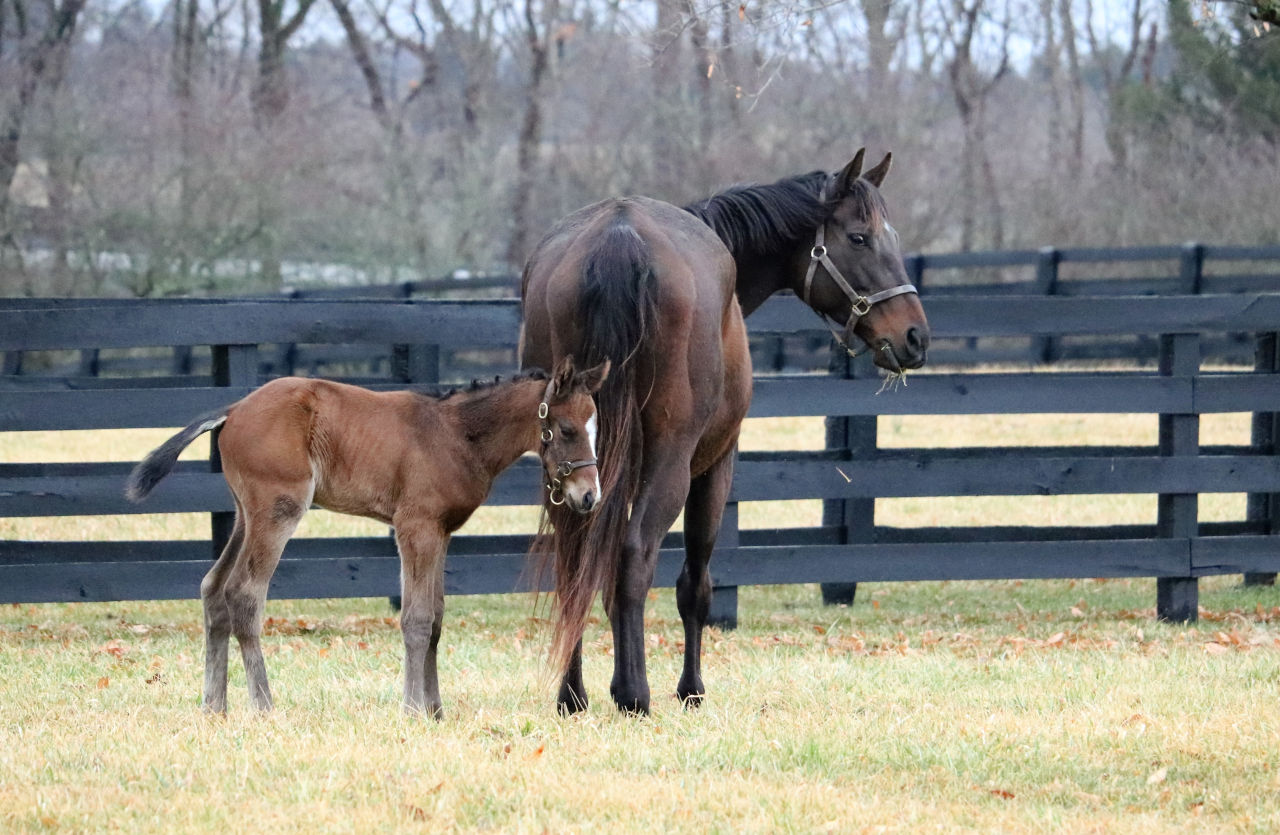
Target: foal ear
x=561, y=379
x=593, y=378
x=876, y=175
x=850, y=173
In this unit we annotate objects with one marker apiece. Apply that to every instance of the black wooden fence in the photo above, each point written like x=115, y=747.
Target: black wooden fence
x=847, y=547
x=1189, y=269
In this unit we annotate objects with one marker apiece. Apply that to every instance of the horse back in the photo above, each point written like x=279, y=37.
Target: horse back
x=353, y=445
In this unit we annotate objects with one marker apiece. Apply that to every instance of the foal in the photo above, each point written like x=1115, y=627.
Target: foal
x=420, y=463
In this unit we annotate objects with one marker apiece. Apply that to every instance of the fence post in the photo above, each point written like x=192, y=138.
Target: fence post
x=1178, y=598
x=1191, y=267
x=233, y=365
x=724, y=599
x=1045, y=348
x=853, y=437
x=1264, y=508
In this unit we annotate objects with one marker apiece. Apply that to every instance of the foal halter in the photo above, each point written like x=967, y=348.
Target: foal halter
x=860, y=305
x=564, y=469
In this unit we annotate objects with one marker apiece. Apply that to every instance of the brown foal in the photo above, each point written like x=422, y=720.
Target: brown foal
x=422, y=464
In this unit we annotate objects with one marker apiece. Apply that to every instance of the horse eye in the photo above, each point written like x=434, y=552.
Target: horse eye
x=857, y=239
x=567, y=432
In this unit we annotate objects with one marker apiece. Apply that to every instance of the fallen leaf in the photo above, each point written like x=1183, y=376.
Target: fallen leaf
x=538, y=753
x=1056, y=639
x=1006, y=794
x=1215, y=648
x=104, y=683
x=1157, y=776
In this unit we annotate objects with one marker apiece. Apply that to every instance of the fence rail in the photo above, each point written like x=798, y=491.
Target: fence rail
x=848, y=476
x=1190, y=269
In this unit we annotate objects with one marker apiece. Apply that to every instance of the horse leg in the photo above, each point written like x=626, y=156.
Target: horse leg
x=268, y=527
x=217, y=620
x=666, y=484
x=573, y=693
x=422, y=550
x=702, y=513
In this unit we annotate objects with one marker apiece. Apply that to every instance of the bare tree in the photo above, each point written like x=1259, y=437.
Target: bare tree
x=971, y=87
x=537, y=39
x=269, y=98
x=35, y=38
x=1115, y=76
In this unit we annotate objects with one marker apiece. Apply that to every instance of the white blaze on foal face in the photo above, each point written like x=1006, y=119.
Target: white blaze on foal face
x=591, y=439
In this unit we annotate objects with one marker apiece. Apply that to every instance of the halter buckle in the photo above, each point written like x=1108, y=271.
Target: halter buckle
x=542, y=410
x=547, y=435
x=860, y=306
x=818, y=252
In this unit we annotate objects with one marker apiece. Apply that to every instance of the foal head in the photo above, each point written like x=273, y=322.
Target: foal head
x=857, y=250
x=569, y=431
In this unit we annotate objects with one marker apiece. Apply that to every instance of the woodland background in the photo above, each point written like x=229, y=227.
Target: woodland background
x=223, y=146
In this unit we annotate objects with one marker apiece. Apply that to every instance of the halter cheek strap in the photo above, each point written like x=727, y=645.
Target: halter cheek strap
x=859, y=305
x=564, y=469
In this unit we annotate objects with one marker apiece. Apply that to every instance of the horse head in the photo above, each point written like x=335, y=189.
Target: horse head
x=854, y=272
x=569, y=429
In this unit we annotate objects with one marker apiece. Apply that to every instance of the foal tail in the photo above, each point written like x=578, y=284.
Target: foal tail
x=617, y=309
x=159, y=462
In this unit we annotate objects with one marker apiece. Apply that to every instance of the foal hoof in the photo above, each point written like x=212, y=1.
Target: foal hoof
x=435, y=712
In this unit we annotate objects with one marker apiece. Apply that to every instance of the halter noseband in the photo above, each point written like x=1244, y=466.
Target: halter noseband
x=564, y=469
x=860, y=305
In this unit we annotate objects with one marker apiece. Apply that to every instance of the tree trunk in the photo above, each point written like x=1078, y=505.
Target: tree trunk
x=529, y=142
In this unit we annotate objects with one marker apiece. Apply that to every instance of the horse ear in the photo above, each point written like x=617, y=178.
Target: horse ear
x=561, y=379
x=876, y=175
x=850, y=173
x=593, y=378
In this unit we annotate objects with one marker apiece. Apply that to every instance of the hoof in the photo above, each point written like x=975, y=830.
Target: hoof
x=570, y=702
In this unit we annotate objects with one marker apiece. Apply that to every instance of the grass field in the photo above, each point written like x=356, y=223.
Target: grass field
x=996, y=706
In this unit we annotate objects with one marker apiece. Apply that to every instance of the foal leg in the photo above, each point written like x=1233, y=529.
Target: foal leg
x=422, y=550
x=217, y=620
x=267, y=528
x=702, y=513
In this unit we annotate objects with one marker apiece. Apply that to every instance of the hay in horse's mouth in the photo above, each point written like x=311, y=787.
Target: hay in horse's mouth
x=895, y=377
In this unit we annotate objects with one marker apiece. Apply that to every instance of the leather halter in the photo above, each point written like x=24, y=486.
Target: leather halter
x=859, y=305
x=564, y=469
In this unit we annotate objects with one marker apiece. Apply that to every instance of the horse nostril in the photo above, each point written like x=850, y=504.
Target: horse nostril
x=588, y=500
x=917, y=341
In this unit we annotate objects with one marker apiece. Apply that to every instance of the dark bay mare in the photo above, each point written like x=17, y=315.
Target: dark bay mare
x=420, y=463
x=661, y=292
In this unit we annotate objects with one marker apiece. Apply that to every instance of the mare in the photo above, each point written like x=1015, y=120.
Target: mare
x=661, y=292
x=420, y=463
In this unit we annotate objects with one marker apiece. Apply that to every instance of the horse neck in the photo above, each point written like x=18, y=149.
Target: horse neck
x=501, y=423
x=760, y=277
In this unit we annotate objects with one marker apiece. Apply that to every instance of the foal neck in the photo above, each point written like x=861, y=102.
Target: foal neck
x=500, y=423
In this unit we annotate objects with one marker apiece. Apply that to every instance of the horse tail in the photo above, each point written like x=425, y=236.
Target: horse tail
x=160, y=461
x=617, y=311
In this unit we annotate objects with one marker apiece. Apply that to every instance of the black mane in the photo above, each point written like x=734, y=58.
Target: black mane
x=764, y=219
x=479, y=386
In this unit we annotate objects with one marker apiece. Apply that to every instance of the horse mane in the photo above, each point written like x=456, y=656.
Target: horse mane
x=767, y=219
x=476, y=387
